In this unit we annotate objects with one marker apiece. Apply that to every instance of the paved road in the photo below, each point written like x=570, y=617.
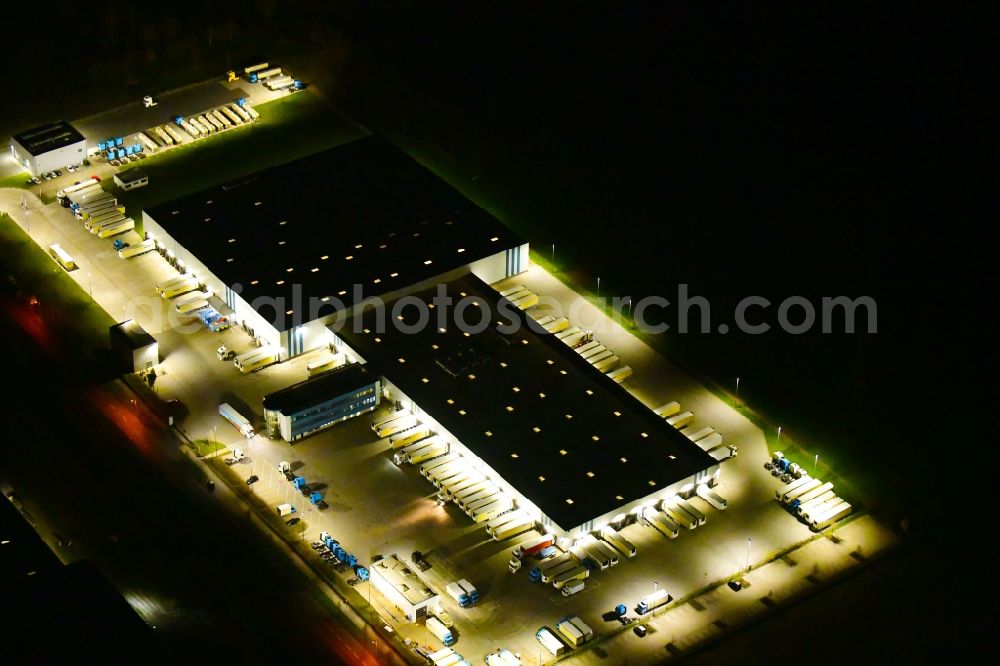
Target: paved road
x=190, y=562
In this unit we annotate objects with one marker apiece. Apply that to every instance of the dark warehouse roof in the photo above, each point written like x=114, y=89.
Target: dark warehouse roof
x=47, y=138
x=313, y=391
x=363, y=213
x=569, y=438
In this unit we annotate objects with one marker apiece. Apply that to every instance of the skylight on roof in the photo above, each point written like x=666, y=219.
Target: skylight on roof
x=314, y=270
x=461, y=249
x=563, y=452
x=428, y=262
x=590, y=474
x=254, y=281
x=652, y=483
x=569, y=501
x=494, y=239
x=393, y=274
x=280, y=282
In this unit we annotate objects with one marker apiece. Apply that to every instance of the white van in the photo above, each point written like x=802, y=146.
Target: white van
x=572, y=588
x=285, y=509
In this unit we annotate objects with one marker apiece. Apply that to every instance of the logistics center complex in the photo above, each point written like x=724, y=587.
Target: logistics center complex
x=303, y=253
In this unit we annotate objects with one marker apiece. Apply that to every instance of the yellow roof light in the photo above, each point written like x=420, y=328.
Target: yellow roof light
x=325, y=257
x=488, y=433
x=288, y=312
x=644, y=434
x=425, y=380
x=325, y=299
x=462, y=412
x=289, y=269
x=401, y=359
x=589, y=392
x=279, y=282
x=393, y=274
x=366, y=330
x=428, y=262
x=349, y=257
x=569, y=501
x=652, y=483
x=494, y=239
x=282, y=223
x=563, y=452
x=441, y=330
x=619, y=498
x=434, y=347
x=510, y=408
x=541, y=478
x=450, y=401
x=617, y=413
x=461, y=249
x=537, y=429
x=472, y=376
x=541, y=395
x=624, y=460
x=513, y=455
x=377, y=339
x=281, y=242
x=315, y=270
x=590, y=474
x=550, y=361
x=672, y=457
x=254, y=281
x=376, y=280
x=341, y=292
x=562, y=372
x=358, y=247
x=232, y=240
x=517, y=390
x=569, y=416
x=502, y=364
x=596, y=438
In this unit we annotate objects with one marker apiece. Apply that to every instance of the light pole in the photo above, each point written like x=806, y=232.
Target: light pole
x=748, y=554
x=815, y=462
x=598, y=285
x=553, y=253
x=656, y=585
x=90, y=287
x=628, y=302
x=778, y=441
x=737, y=387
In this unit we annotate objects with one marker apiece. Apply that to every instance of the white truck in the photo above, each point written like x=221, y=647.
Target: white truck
x=525, y=301
x=213, y=121
x=440, y=631
x=94, y=223
x=574, y=339
x=594, y=351
x=190, y=129
x=450, y=471
x=404, y=454
x=612, y=536
x=557, y=565
x=136, y=249
x=435, y=448
x=265, y=74
x=178, y=288
x=169, y=284
x=809, y=506
x=146, y=142
x=512, y=290
x=587, y=346
x=191, y=302
x=593, y=544
x=712, y=497
x=239, y=111
x=815, y=492
x=221, y=118
x=552, y=645
x=164, y=137
x=562, y=335
x=251, y=111
x=651, y=602
x=238, y=421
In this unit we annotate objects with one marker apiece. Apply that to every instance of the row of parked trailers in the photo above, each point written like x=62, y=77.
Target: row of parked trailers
x=813, y=502
x=100, y=211
x=201, y=125
x=570, y=632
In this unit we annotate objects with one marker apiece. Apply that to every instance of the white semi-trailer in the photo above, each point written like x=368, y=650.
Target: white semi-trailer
x=255, y=359
x=238, y=110
x=146, y=142
x=115, y=228
x=690, y=509
x=594, y=351
x=624, y=546
x=709, y=442
x=94, y=224
x=214, y=122
x=169, y=284
x=512, y=528
x=190, y=129
x=174, y=134
x=409, y=436
x=831, y=516
x=621, y=374
x=815, y=492
x=681, y=420
x=661, y=522
x=607, y=364
x=807, y=507
x=491, y=510
x=136, y=249
x=781, y=494
x=427, y=468
x=712, y=498
x=557, y=325
x=166, y=138
x=221, y=118
x=668, y=410
x=562, y=335
x=695, y=435
x=228, y=113
x=251, y=111
x=587, y=346
x=678, y=515
x=436, y=448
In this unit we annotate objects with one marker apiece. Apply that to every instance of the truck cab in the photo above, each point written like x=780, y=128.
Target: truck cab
x=224, y=353
x=148, y=101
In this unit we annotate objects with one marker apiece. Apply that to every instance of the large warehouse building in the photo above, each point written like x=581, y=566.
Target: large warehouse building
x=48, y=148
x=298, y=246
x=571, y=447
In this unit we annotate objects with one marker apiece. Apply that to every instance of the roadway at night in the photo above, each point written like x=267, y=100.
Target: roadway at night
x=96, y=467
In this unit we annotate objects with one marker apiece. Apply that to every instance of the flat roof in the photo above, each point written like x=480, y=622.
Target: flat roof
x=566, y=436
x=297, y=397
x=130, y=175
x=403, y=579
x=363, y=213
x=133, y=333
x=49, y=137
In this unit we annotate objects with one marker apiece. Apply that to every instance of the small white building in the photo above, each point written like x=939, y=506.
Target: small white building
x=403, y=587
x=48, y=148
x=131, y=179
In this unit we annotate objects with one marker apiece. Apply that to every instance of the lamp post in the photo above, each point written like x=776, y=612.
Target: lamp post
x=628, y=301
x=748, y=554
x=815, y=462
x=737, y=387
x=90, y=287
x=777, y=441
x=598, y=285
x=553, y=253
x=656, y=585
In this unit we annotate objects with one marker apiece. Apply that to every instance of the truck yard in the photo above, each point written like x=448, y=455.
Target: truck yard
x=365, y=490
